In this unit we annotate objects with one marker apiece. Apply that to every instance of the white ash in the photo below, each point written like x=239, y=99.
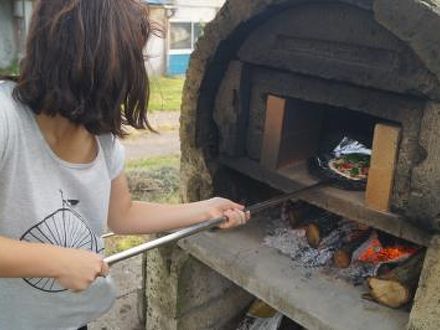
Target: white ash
x=339, y=236
x=294, y=244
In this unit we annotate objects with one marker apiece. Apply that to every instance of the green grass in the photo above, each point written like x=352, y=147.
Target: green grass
x=117, y=244
x=166, y=93
x=153, y=179
x=12, y=70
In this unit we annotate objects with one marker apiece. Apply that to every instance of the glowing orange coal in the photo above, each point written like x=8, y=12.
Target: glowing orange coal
x=375, y=252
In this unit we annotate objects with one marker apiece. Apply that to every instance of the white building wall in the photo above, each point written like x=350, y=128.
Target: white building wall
x=8, y=47
x=156, y=49
x=15, y=17
x=156, y=56
x=197, y=10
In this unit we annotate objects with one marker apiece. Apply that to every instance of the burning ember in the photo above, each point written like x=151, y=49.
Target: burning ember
x=372, y=251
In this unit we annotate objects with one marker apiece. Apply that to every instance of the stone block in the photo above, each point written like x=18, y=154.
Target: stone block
x=365, y=54
x=223, y=313
x=183, y=293
x=228, y=108
x=425, y=313
x=424, y=200
x=416, y=22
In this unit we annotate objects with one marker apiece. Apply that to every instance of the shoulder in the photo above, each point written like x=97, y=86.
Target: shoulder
x=9, y=114
x=9, y=120
x=11, y=110
x=114, y=153
x=7, y=103
x=6, y=86
x=109, y=144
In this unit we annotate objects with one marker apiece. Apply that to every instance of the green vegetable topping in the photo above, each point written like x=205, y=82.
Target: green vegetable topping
x=354, y=171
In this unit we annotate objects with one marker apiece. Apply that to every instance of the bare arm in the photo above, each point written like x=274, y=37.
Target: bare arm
x=74, y=269
x=128, y=217
x=22, y=259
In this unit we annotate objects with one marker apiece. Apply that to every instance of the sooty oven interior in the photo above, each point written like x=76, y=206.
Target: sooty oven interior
x=289, y=83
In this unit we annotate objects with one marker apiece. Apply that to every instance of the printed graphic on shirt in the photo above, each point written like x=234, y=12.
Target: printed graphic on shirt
x=67, y=228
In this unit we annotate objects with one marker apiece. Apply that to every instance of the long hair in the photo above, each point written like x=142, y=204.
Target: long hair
x=84, y=61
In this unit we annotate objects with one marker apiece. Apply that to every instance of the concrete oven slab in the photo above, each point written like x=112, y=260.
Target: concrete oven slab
x=312, y=299
x=426, y=309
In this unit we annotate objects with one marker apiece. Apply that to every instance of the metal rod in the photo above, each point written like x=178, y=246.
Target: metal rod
x=191, y=230
x=108, y=235
x=283, y=198
x=194, y=229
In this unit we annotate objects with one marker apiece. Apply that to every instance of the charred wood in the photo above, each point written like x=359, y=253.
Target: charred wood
x=397, y=287
x=321, y=228
x=343, y=256
x=300, y=214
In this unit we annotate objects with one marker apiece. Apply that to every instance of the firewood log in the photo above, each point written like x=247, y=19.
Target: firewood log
x=295, y=213
x=300, y=214
x=397, y=287
x=343, y=256
x=321, y=228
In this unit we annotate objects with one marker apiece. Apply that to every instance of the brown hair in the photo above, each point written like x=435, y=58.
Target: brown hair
x=84, y=61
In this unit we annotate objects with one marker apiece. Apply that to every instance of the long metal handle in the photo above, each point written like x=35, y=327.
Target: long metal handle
x=191, y=230
x=107, y=235
x=284, y=198
x=194, y=229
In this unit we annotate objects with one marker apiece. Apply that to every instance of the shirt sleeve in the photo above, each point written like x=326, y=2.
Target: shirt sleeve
x=117, y=160
x=4, y=124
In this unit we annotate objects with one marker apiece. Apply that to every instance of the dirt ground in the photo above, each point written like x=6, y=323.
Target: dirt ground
x=146, y=144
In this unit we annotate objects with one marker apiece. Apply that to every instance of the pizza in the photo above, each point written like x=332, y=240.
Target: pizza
x=353, y=167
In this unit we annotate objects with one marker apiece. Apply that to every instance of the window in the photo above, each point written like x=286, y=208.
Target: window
x=181, y=36
x=184, y=35
x=198, y=31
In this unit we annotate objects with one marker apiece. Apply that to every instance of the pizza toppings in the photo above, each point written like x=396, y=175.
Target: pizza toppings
x=352, y=166
x=346, y=165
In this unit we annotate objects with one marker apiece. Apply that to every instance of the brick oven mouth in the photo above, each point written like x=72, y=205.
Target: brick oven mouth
x=296, y=130
x=298, y=133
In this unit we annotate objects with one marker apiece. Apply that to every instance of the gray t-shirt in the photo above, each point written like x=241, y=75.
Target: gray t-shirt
x=45, y=199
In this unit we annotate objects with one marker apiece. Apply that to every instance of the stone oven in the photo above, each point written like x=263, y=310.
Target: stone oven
x=269, y=83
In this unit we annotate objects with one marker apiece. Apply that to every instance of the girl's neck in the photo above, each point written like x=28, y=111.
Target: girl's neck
x=69, y=141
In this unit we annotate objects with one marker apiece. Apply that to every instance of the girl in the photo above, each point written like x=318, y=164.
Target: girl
x=61, y=164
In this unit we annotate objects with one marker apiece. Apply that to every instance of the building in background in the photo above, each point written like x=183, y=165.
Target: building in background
x=182, y=23
x=15, y=16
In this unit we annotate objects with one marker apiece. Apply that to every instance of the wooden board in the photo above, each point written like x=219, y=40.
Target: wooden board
x=382, y=169
x=273, y=129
